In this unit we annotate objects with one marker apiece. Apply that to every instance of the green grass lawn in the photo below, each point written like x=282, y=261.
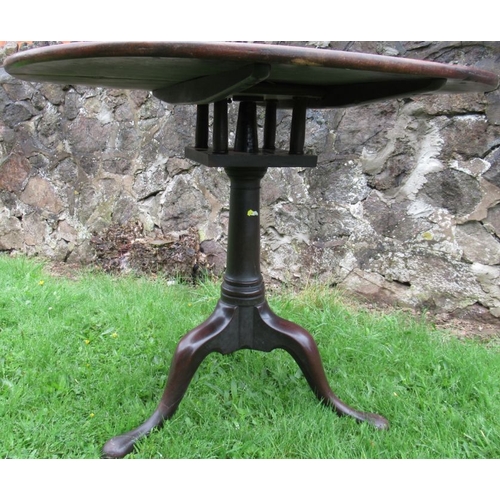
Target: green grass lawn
x=84, y=359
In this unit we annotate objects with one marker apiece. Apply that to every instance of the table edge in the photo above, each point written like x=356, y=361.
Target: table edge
x=254, y=52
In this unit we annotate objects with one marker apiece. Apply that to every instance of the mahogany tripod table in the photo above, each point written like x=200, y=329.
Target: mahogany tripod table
x=253, y=75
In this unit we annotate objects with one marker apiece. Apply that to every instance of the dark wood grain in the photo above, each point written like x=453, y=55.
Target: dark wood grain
x=293, y=70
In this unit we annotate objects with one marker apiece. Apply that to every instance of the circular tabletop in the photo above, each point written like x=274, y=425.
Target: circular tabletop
x=203, y=72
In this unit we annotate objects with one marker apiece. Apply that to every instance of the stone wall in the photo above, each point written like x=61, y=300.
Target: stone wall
x=404, y=206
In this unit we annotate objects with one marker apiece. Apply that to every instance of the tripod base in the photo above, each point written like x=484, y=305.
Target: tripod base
x=242, y=318
x=228, y=329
